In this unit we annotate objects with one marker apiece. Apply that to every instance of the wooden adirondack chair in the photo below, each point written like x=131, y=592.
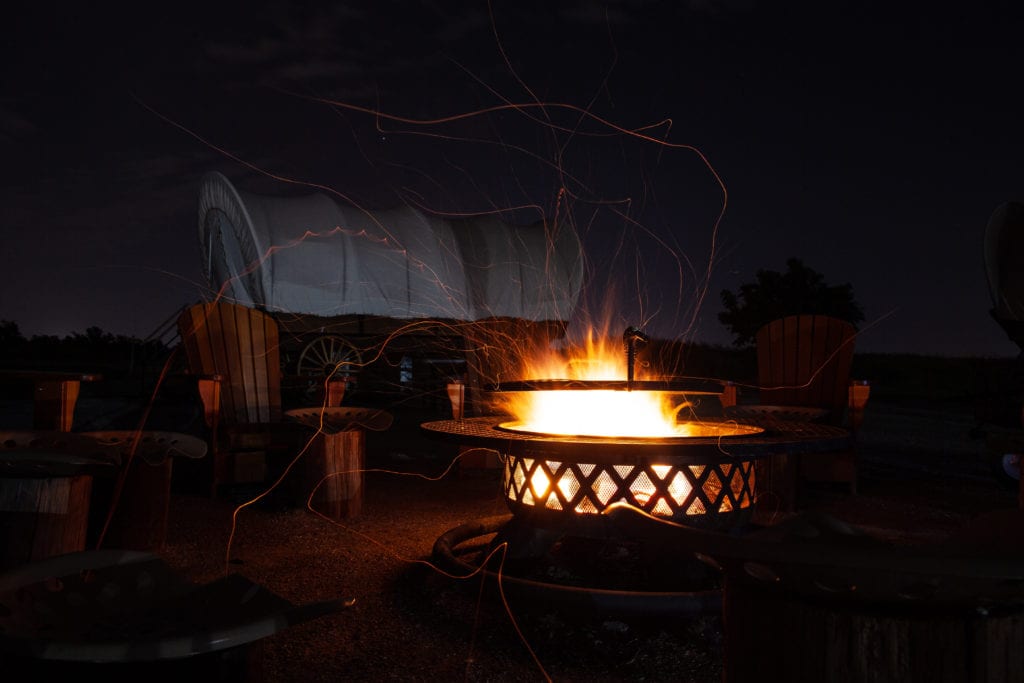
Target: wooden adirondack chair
x=804, y=362
x=234, y=353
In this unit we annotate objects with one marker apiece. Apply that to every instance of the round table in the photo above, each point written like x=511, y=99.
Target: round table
x=333, y=470
x=779, y=436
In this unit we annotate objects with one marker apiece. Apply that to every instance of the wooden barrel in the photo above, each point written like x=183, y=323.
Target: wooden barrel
x=776, y=636
x=134, y=518
x=42, y=516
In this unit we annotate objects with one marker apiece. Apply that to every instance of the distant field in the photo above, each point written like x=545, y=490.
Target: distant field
x=990, y=386
x=902, y=376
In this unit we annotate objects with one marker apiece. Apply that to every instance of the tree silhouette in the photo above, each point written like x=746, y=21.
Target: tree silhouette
x=10, y=334
x=800, y=290
x=94, y=350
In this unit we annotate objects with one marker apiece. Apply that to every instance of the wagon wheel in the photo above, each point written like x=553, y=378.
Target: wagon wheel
x=329, y=355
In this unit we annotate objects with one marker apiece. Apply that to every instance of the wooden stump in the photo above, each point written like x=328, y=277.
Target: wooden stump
x=139, y=517
x=775, y=636
x=42, y=517
x=335, y=469
x=474, y=461
x=775, y=482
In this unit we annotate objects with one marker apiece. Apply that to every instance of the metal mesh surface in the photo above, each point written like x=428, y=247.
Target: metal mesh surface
x=670, y=491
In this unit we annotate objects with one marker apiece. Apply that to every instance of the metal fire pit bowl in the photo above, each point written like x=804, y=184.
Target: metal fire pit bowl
x=683, y=385
x=567, y=482
x=564, y=493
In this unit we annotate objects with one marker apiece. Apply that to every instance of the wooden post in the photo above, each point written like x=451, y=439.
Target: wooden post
x=54, y=404
x=335, y=469
x=729, y=395
x=335, y=392
x=775, y=486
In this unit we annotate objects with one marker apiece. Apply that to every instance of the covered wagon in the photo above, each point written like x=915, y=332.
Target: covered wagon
x=389, y=296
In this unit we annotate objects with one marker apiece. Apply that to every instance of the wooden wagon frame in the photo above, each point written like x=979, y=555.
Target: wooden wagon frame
x=386, y=359
x=367, y=293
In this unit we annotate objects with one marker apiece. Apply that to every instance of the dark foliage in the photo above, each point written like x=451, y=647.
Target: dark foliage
x=674, y=358
x=92, y=351
x=799, y=290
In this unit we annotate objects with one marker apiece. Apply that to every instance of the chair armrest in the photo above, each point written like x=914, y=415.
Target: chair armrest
x=728, y=397
x=209, y=387
x=858, y=392
x=54, y=396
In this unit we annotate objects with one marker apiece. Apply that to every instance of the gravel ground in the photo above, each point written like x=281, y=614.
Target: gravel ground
x=411, y=622
x=922, y=476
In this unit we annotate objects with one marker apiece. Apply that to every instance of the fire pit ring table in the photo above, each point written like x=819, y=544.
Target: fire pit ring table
x=562, y=487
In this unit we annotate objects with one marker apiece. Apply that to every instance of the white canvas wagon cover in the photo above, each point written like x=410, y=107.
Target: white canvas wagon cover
x=313, y=255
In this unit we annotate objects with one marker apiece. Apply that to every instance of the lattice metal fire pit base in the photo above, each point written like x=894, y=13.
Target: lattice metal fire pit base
x=706, y=494
x=705, y=480
x=563, y=493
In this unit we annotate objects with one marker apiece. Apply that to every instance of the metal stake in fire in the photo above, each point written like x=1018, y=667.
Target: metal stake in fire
x=631, y=337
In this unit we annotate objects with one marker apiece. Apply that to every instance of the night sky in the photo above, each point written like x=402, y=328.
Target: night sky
x=871, y=143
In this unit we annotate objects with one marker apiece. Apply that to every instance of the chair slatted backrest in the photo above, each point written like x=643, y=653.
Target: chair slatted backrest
x=242, y=344
x=805, y=360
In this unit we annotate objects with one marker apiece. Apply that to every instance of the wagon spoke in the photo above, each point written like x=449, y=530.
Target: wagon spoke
x=328, y=354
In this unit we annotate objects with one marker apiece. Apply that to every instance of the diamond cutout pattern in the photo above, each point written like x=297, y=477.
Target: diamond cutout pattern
x=662, y=490
x=605, y=488
x=662, y=509
x=643, y=489
x=568, y=485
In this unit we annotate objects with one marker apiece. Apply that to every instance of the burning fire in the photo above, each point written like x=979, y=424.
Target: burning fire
x=598, y=412
x=662, y=489
x=595, y=412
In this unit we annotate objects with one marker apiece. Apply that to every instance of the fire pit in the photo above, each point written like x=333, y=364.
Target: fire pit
x=705, y=480
x=568, y=481
x=563, y=490
x=575, y=451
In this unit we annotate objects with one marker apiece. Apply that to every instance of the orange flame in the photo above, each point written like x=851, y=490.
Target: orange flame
x=594, y=412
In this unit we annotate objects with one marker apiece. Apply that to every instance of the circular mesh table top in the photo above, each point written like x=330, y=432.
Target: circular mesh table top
x=109, y=606
x=777, y=436
x=341, y=418
x=756, y=412
x=39, y=453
